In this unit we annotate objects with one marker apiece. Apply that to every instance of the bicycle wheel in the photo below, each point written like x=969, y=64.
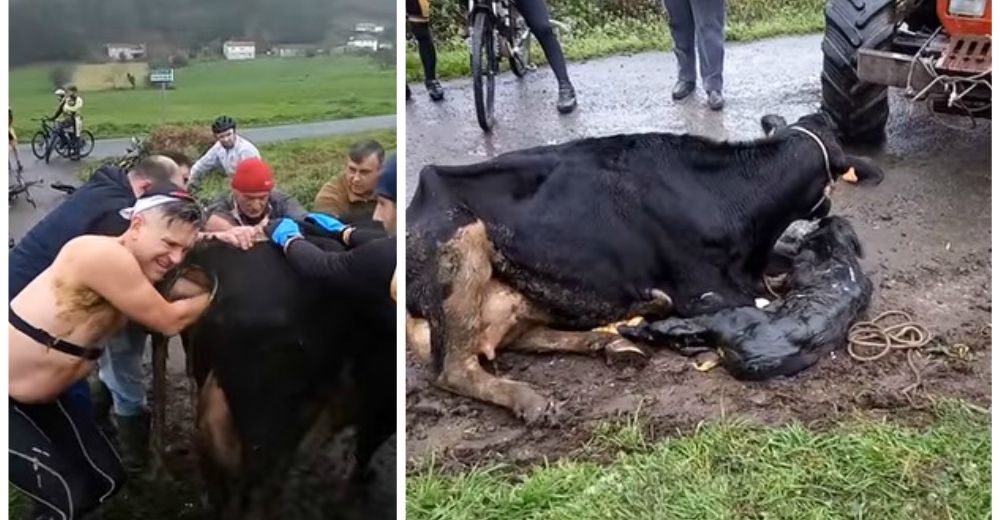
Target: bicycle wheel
x=39, y=142
x=484, y=59
x=62, y=146
x=85, y=144
x=520, y=44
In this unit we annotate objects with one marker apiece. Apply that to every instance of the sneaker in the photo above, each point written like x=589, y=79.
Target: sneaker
x=682, y=89
x=567, y=99
x=715, y=100
x=434, y=90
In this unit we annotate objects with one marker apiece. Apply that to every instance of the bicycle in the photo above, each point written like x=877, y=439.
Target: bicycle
x=495, y=22
x=59, y=139
x=17, y=186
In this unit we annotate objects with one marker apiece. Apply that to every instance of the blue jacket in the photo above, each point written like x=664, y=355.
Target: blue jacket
x=90, y=210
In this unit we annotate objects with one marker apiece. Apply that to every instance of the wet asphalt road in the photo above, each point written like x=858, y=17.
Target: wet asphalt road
x=629, y=94
x=23, y=216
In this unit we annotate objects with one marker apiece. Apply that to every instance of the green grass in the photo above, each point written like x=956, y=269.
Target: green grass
x=606, y=33
x=863, y=468
x=260, y=92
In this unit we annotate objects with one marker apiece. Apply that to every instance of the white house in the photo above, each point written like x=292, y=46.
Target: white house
x=364, y=43
x=126, y=51
x=368, y=27
x=239, y=50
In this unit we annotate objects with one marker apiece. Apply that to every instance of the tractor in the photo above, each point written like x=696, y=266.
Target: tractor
x=938, y=51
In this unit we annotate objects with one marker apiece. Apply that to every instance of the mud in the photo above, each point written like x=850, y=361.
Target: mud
x=926, y=231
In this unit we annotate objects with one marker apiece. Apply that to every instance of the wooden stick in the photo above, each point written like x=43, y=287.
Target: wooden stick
x=157, y=443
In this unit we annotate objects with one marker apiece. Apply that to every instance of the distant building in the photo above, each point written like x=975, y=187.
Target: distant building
x=368, y=27
x=126, y=51
x=364, y=43
x=239, y=50
x=289, y=50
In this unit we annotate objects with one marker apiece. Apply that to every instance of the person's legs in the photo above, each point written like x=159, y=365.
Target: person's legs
x=418, y=16
x=710, y=19
x=59, y=458
x=120, y=369
x=536, y=16
x=682, y=29
x=428, y=58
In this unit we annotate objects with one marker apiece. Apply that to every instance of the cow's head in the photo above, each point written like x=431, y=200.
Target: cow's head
x=823, y=126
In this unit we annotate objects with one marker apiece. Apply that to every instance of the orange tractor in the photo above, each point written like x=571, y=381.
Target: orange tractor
x=939, y=52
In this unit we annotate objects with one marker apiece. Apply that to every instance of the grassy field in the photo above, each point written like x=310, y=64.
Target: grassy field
x=257, y=93
x=609, y=28
x=863, y=468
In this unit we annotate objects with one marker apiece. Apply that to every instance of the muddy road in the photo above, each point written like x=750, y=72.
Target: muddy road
x=926, y=231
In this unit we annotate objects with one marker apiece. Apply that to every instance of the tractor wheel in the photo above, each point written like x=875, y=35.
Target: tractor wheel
x=860, y=109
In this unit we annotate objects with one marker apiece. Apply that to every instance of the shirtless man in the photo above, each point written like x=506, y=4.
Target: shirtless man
x=57, y=455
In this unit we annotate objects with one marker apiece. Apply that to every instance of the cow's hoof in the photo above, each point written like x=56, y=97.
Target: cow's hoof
x=707, y=361
x=534, y=409
x=623, y=351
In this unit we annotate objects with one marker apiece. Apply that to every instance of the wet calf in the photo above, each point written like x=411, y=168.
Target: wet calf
x=826, y=291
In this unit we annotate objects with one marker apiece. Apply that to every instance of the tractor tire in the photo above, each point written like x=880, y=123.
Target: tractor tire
x=859, y=109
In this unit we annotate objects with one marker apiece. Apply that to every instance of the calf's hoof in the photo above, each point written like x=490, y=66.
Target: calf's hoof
x=621, y=351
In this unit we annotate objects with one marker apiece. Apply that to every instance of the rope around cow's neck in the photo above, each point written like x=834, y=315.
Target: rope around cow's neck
x=828, y=189
x=822, y=148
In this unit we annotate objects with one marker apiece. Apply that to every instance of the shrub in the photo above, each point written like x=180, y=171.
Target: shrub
x=61, y=75
x=192, y=141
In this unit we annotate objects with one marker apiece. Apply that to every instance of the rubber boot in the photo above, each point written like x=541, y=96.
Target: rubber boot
x=133, y=440
x=102, y=400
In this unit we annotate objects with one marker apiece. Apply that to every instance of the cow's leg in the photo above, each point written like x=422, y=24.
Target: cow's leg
x=613, y=346
x=465, y=268
x=218, y=443
x=418, y=337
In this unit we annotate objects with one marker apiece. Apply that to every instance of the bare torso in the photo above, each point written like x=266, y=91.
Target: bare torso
x=58, y=303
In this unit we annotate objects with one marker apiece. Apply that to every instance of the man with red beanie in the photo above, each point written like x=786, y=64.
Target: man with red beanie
x=253, y=202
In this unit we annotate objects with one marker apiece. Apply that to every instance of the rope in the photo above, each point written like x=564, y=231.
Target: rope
x=873, y=335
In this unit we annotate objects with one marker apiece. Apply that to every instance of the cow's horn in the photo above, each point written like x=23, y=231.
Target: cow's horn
x=850, y=176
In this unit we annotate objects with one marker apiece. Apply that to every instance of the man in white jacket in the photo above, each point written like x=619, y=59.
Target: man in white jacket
x=229, y=149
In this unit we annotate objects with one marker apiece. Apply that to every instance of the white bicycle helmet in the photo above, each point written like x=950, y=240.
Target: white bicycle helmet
x=60, y=92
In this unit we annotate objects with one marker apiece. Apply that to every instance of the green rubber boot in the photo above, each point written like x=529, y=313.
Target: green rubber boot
x=133, y=440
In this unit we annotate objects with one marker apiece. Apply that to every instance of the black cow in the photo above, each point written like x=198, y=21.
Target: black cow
x=826, y=291
x=533, y=248
x=273, y=354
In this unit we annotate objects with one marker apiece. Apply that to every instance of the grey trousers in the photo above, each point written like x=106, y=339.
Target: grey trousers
x=120, y=369
x=698, y=24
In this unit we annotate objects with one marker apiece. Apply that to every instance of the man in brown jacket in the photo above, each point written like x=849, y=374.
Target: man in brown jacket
x=351, y=196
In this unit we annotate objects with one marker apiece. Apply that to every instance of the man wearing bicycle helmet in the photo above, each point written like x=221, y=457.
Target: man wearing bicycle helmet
x=69, y=109
x=418, y=18
x=229, y=149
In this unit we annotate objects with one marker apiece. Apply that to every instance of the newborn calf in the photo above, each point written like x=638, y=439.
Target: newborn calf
x=826, y=292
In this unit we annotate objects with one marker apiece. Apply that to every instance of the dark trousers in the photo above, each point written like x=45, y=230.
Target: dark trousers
x=59, y=457
x=698, y=24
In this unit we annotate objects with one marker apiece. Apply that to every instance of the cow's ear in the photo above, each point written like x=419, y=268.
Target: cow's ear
x=771, y=123
x=863, y=170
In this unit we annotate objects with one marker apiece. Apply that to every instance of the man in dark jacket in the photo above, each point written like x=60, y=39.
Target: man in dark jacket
x=364, y=275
